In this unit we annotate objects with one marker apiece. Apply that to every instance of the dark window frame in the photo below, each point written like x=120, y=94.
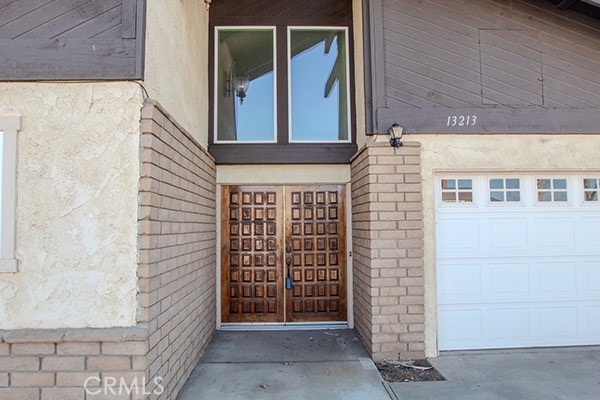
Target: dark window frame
x=282, y=152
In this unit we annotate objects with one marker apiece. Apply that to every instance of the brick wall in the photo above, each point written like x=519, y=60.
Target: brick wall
x=177, y=221
x=39, y=364
x=387, y=224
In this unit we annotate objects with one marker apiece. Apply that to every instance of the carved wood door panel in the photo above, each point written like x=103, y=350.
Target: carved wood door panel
x=316, y=232
x=265, y=227
x=251, y=273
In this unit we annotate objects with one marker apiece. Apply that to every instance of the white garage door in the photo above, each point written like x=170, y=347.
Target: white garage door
x=518, y=260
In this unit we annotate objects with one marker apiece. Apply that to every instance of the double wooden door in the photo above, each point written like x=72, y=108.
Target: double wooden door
x=283, y=255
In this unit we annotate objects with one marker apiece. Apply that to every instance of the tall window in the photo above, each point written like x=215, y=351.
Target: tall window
x=245, y=85
x=247, y=108
x=318, y=84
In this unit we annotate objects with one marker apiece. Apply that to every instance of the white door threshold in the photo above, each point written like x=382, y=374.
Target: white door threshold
x=282, y=326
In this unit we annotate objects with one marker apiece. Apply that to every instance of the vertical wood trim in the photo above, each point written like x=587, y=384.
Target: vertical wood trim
x=368, y=65
x=378, y=60
x=282, y=106
x=128, y=19
x=140, y=43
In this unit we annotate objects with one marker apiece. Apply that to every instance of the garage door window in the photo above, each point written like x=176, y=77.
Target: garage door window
x=505, y=190
x=552, y=190
x=590, y=189
x=457, y=190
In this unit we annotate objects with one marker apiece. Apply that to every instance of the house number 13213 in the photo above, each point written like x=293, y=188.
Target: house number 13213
x=461, y=120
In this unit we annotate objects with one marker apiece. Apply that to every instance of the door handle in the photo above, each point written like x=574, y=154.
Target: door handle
x=288, y=249
x=288, y=278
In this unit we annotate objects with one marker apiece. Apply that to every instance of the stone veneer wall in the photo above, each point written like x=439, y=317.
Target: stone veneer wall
x=177, y=239
x=387, y=225
x=176, y=291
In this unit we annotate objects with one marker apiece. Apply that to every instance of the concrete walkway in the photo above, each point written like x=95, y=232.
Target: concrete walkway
x=526, y=374
x=285, y=365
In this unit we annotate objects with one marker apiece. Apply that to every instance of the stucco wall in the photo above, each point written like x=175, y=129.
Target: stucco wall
x=176, y=73
x=282, y=174
x=489, y=152
x=77, y=205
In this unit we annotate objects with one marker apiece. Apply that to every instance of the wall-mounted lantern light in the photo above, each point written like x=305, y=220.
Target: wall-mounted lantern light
x=240, y=86
x=396, y=132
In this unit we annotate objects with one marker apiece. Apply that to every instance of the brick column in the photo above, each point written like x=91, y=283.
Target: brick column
x=387, y=225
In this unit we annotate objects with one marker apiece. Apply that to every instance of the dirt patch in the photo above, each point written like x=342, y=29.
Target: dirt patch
x=408, y=371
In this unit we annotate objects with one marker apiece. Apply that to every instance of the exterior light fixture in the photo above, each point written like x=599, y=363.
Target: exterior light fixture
x=396, y=132
x=240, y=86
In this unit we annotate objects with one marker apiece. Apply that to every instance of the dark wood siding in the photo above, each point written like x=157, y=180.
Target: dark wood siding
x=518, y=66
x=71, y=39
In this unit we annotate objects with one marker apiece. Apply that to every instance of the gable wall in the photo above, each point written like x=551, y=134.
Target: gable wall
x=523, y=60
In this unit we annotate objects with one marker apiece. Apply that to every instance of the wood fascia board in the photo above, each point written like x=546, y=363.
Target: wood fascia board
x=377, y=60
x=493, y=120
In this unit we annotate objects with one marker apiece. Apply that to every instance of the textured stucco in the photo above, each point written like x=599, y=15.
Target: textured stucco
x=492, y=153
x=78, y=153
x=176, y=72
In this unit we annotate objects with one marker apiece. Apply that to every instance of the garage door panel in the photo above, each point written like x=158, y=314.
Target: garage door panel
x=507, y=236
x=554, y=234
x=554, y=280
x=591, y=279
x=459, y=237
x=592, y=322
x=509, y=325
x=460, y=282
x=590, y=233
x=508, y=281
x=557, y=324
x=460, y=328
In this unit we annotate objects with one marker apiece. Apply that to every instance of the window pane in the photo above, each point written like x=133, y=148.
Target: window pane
x=512, y=184
x=559, y=183
x=318, y=85
x=465, y=197
x=465, y=184
x=544, y=196
x=496, y=196
x=513, y=196
x=543, y=184
x=245, y=100
x=448, y=184
x=590, y=183
x=449, y=197
x=496, y=184
x=560, y=196
x=591, y=196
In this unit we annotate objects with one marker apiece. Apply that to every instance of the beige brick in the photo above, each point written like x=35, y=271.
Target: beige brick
x=125, y=348
x=12, y=364
x=76, y=379
x=33, y=379
x=20, y=394
x=83, y=349
x=4, y=349
x=63, y=394
x=411, y=355
x=63, y=363
x=108, y=363
x=3, y=379
x=32, y=348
